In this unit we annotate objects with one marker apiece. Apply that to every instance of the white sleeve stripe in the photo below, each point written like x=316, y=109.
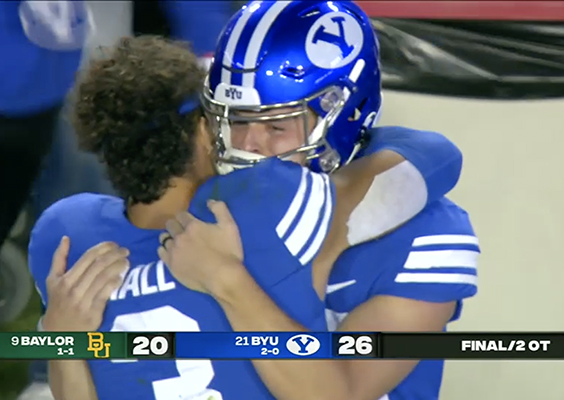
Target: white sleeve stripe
x=334, y=319
x=445, y=239
x=323, y=228
x=412, y=277
x=41, y=296
x=441, y=259
x=309, y=217
x=295, y=206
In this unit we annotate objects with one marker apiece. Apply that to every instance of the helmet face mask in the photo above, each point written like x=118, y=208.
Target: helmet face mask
x=265, y=71
x=222, y=116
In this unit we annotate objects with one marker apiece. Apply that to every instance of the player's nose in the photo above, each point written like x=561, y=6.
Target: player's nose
x=253, y=138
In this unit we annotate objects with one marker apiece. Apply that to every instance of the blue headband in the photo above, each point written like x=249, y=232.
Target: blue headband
x=188, y=106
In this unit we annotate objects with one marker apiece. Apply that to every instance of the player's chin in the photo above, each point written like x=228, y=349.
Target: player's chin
x=298, y=158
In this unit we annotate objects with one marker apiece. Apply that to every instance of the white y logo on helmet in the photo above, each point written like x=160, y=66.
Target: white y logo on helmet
x=334, y=40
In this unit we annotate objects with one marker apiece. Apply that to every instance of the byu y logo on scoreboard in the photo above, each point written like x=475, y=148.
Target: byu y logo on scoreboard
x=303, y=345
x=334, y=40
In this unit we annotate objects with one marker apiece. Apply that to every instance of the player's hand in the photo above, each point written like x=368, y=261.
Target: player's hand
x=78, y=297
x=199, y=254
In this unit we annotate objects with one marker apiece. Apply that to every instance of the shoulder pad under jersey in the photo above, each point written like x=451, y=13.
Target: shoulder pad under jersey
x=283, y=212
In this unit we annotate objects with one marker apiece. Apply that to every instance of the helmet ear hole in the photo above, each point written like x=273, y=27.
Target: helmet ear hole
x=357, y=113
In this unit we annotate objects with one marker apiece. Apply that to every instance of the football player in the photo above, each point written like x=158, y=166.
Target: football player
x=279, y=66
x=138, y=109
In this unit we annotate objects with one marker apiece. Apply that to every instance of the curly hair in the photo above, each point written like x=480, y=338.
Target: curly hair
x=126, y=112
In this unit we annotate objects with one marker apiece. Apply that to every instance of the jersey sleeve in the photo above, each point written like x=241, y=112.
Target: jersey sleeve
x=440, y=262
x=438, y=268
x=437, y=159
x=283, y=212
x=45, y=238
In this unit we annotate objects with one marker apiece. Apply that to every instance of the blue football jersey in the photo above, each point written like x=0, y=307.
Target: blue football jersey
x=283, y=212
x=431, y=258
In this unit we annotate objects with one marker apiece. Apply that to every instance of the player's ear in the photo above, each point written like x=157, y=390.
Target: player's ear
x=204, y=135
x=203, y=160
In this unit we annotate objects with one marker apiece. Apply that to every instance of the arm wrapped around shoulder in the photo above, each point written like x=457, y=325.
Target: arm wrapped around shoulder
x=438, y=160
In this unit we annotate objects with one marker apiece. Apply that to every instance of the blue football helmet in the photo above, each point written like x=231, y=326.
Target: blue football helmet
x=295, y=55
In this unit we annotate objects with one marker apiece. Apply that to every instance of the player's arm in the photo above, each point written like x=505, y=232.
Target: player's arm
x=71, y=379
x=402, y=171
x=408, y=302
x=421, y=296
x=74, y=299
x=68, y=379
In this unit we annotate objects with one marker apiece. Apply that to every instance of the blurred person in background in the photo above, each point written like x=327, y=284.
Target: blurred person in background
x=197, y=22
x=43, y=41
x=67, y=170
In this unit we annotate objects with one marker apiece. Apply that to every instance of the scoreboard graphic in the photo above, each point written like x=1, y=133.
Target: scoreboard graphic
x=282, y=345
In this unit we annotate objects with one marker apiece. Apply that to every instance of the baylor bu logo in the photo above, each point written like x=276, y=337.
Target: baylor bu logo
x=97, y=346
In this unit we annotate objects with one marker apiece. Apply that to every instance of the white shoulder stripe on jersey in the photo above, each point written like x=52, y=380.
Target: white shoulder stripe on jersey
x=442, y=259
x=411, y=277
x=257, y=39
x=232, y=42
x=304, y=229
x=334, y=318
x=295, y=206
x=321, y=234
x=445, y=239
x=306, y=223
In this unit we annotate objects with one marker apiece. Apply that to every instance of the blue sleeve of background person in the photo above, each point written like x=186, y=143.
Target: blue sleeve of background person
x=44, y=240
x=34, y=79
x=283, y=212
x=199, y=22
x=438, y=159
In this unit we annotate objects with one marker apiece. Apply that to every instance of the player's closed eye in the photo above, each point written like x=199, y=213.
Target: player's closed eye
x=276, y=129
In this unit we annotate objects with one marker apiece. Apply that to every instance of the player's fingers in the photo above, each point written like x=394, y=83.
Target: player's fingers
x=173, y=227
x=104, y=268
x=163, y=255
x=165, y=239
x=90, y=288
x=184, y=218
x=83, y=264
x=221, y=212
x=101, y=298
x=59, y=261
